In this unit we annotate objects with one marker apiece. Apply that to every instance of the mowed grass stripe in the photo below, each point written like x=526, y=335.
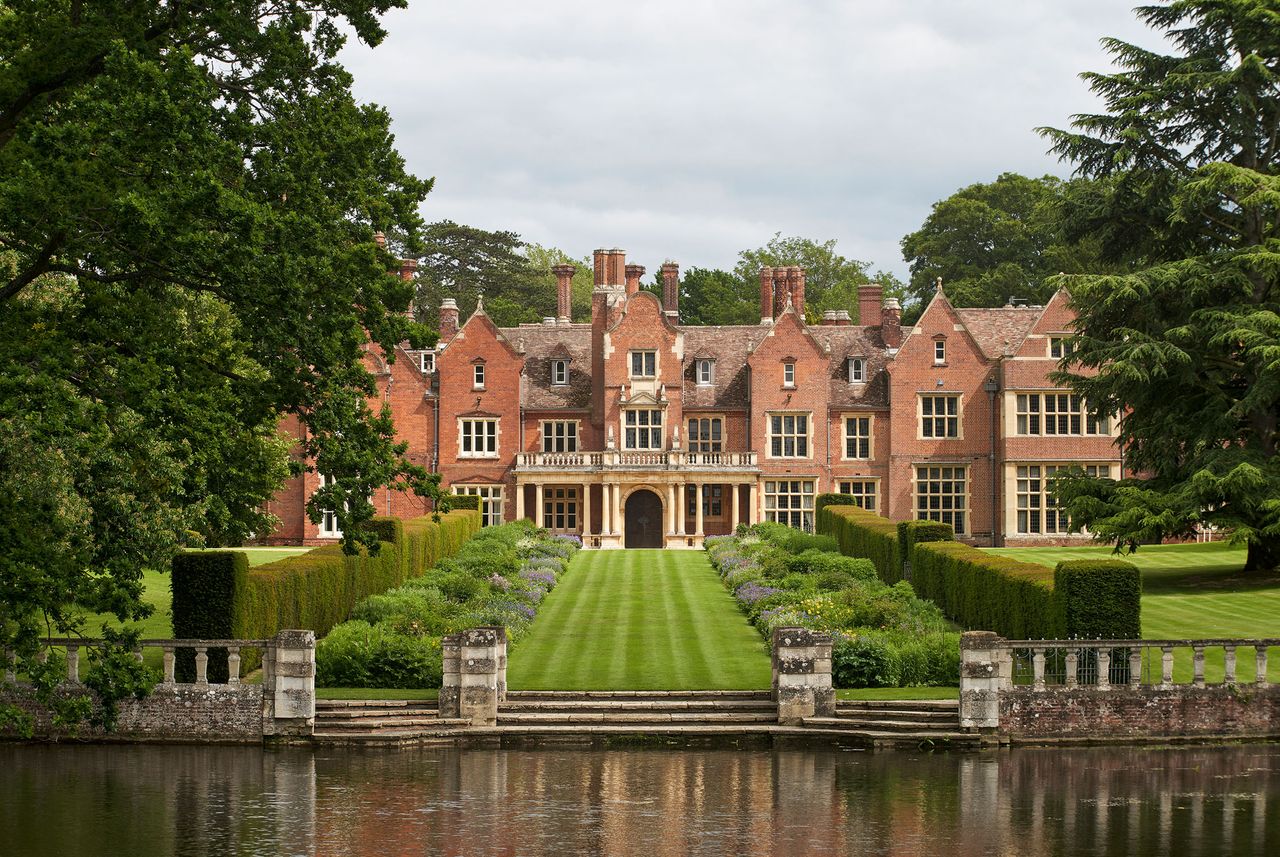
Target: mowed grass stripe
x=639, y=620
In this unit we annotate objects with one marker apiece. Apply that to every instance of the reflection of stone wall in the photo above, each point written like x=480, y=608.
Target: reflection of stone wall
x=210, y=713
x=1124, y=712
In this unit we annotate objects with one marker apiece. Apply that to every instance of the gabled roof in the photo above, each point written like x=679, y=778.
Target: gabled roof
x=542, y=344
x=729, y=346
x=854, y=340
x=1001, y=330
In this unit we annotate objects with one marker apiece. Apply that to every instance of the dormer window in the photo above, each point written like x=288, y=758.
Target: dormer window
x=857, y=369
x=478, y=376
x=939, y=351
x=705, y=372
x=560, y=372
x=644, y=364
x=788, y=374
x=427, y=362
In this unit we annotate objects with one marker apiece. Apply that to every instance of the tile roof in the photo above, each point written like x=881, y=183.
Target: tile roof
x=543, y=343
x=1000, y=330
x=844, y=341
x=729, y=346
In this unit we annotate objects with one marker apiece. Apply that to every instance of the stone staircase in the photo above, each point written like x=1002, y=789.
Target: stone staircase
x=636, y=712
x=897, y=723
x=584, y=715
x=381, y=721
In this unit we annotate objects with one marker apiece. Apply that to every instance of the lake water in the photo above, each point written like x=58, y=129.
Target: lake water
x=141, y=801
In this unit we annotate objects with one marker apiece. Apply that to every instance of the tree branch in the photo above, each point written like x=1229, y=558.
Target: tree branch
x=39, y=266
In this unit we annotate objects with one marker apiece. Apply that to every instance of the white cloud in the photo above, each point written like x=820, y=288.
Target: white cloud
x=694, y=129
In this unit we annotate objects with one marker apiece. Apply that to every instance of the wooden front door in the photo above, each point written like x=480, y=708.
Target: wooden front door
x=644, y=520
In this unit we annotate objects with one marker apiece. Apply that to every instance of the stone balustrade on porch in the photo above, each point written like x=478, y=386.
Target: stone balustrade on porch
x=635, y=460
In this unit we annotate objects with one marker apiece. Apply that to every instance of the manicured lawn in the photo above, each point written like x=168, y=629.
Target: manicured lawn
x=640, y=620
x=1194, y=591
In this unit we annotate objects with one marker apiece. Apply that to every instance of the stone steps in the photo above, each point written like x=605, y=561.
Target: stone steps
x=637, y=704
x=636, y=718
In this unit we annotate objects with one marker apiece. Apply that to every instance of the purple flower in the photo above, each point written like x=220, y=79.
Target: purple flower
x=751, y=592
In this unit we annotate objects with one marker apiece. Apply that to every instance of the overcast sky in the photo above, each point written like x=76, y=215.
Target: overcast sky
x=693, y=129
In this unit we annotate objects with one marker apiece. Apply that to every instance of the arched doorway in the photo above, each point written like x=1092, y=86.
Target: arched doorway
x=644, y=520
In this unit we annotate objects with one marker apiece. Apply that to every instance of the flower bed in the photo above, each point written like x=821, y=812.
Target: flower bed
x=884, y=636
x=392, y=640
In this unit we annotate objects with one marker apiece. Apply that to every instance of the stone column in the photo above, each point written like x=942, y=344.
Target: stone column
x=617, y=509
x=671, y=508
x=519, y=500
x=482, y=661
x=682, y=497
x=586, y=512
x=753, y=511
x=289, y=684
x=980, y=680
x=733, y=507
x=697, y=509
x=451, y=681
x=802, y=675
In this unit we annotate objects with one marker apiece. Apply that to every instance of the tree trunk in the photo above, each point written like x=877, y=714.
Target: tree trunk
x=1264, y=554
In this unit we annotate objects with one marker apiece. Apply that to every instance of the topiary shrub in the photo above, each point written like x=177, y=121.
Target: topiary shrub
x=1099, y=598
x=860, y=533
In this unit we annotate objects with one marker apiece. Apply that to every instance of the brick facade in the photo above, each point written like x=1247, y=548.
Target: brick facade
x=611, y=427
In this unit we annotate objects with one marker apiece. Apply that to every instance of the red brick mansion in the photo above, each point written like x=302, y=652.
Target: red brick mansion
x=633, y=430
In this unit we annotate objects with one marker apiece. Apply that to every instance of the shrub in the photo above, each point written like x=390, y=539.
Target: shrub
x=911, y=533
x=357, y=654
x=824, y=500
x=1100, y=598
x=863, y=661
x=463, y=501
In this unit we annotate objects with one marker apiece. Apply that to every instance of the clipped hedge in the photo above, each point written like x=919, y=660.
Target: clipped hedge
x=865, y=534
x=464, y=501
x=216, y=594
x=1101, y=598
x=824, y=500
x=911, y=533
x=985, y=592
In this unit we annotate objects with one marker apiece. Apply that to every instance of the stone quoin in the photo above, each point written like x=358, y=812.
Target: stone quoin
x=630, y=429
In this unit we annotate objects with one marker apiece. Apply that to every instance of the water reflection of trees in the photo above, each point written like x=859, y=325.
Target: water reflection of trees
x=649, y=802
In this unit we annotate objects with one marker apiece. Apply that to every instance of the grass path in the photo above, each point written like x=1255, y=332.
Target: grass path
x=640, y=620
x=1193, y=591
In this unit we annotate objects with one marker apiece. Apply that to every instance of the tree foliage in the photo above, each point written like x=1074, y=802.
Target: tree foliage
x=991, y=242
x=189, y=196
x=1187, y=346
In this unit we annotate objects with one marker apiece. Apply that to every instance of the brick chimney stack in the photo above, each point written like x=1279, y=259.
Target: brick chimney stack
x=795, y=287
x=869, y=299
x=634, y=273
x=617, y=267
x=671, y=291
x=564, y=292
x=766, y=295
x=448, y=319
x=600, y=264
x=891, y=323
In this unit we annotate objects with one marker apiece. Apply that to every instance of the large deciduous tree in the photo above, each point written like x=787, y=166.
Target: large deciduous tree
x=1187, y=345
x=189, y=196
x=992, y=242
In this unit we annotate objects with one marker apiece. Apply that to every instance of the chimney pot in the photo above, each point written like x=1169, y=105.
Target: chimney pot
x=891, y=323
x=634, y=273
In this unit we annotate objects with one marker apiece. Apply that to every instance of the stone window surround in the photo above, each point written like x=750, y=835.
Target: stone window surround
x=661, y=427
x=965, y=509
x=560, y=504
x=939, y=350
x=477, y=374
x=704, y=378
x=1011, y=480
x=643, y=354
x=328, y=526
x=856, y=370
x=575, y=436
x=920, y=416
x=870, y=436
x=789, y=373
x=689, y=440
x=1014, y=409
x=805, y=511
x=807, y=436
x=472, y=421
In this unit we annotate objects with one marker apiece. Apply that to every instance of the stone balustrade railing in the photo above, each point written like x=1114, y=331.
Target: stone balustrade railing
x=281, y=704
x=636, y=460
x=1072, y=689
x=170, y=648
